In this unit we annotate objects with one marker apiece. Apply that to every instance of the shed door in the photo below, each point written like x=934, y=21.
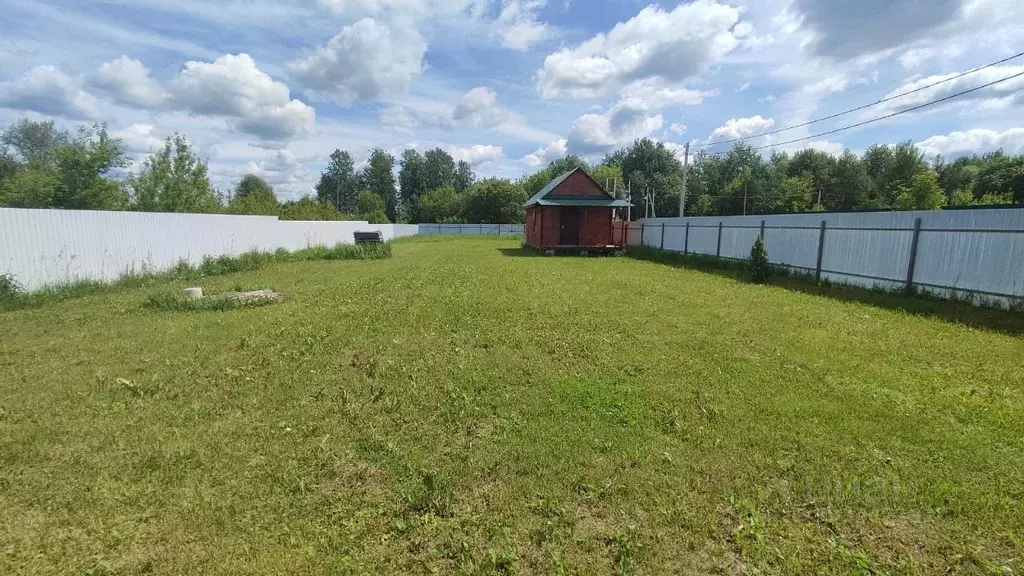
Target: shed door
x=570, y=235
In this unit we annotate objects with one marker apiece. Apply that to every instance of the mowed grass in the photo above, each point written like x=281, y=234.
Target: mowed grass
x=465, y=409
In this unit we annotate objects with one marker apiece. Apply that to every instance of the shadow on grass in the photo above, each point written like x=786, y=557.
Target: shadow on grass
x=921, y=304
x=522, y=252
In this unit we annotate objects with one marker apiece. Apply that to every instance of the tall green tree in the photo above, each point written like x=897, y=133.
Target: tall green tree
x=535, y=182
x=411, y=176
x=338, y=184
x=372, y=207
x=850, y=184
x=495, y=201
x=34, y=186
x=1001, y=175
x=27, y=141
x=891, y=169
x=254, y=195
x=438, y=170
x=173, y=179
x=464, y=176
x=609, y=176
x=45, y=167
x=922, y=194
x=444, y=205
x=651, y=166
x=567, y=164
x=379, y=177
x=816, y=166
x=84, y=166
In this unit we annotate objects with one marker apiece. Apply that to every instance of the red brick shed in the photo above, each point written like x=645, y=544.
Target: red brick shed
x=572, y=213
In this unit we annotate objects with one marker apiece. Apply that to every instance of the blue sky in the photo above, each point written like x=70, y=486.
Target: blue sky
x=508, y=85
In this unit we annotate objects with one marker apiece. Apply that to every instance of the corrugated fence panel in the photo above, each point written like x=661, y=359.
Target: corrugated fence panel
x=473, y=229
x=40, y=247
x=959, y=250
x=798, y=248
x=988, y=261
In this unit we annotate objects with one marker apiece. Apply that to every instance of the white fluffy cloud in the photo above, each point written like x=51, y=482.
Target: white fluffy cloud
x=668, y=45
x=655, y=95
x=620, y=125
x=127, y=81
x=915, y=57
x=741, y=128
x=997, y=96
x=47, y=90
x=140, y=138
x=547, y=154
x=398, y=119
x=518, y=27
x=977, y=140
x=365, y=61
x=478, y=108
x=234, y=86
x=477, y=154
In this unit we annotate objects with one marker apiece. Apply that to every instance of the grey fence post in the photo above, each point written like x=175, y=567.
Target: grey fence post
x=662, y=235
x=686, y=240
x=481, y=229
x=499, y=229
x=821, y=252
x=762, y=229
x=641, y=233
x=913, y=254
x=718, y=250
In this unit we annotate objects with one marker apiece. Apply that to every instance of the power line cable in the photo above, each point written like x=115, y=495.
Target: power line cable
x=866, y=106
x=880, y=118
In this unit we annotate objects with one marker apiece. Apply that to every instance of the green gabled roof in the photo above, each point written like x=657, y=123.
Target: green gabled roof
x=539, y=199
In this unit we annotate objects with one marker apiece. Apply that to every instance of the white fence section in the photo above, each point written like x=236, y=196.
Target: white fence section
x=945, y=251
x=473, y=229
x=40, y=247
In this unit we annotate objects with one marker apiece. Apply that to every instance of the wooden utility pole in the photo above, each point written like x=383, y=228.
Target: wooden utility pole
x=682, y=198
x=629, y=198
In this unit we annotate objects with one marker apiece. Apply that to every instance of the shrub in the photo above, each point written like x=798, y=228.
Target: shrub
x=9, y=287
x=10, y=290
x=758, y=267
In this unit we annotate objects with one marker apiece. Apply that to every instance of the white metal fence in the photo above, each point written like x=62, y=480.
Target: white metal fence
x=41, y=247
x=473, y=229
x=978, y=252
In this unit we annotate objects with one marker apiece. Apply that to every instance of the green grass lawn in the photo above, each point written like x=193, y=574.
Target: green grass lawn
x=464, y=408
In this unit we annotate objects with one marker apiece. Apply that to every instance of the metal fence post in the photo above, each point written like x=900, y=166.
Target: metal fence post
x=662, y=235
x=913, y=254
x=821, y=252
x=481, y=229
x=762, y=229
x=718, y=250
x=641, y=233
x=686, y=240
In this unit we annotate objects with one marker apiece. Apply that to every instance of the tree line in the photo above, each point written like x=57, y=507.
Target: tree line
x=431, y=187
x=44, y=167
